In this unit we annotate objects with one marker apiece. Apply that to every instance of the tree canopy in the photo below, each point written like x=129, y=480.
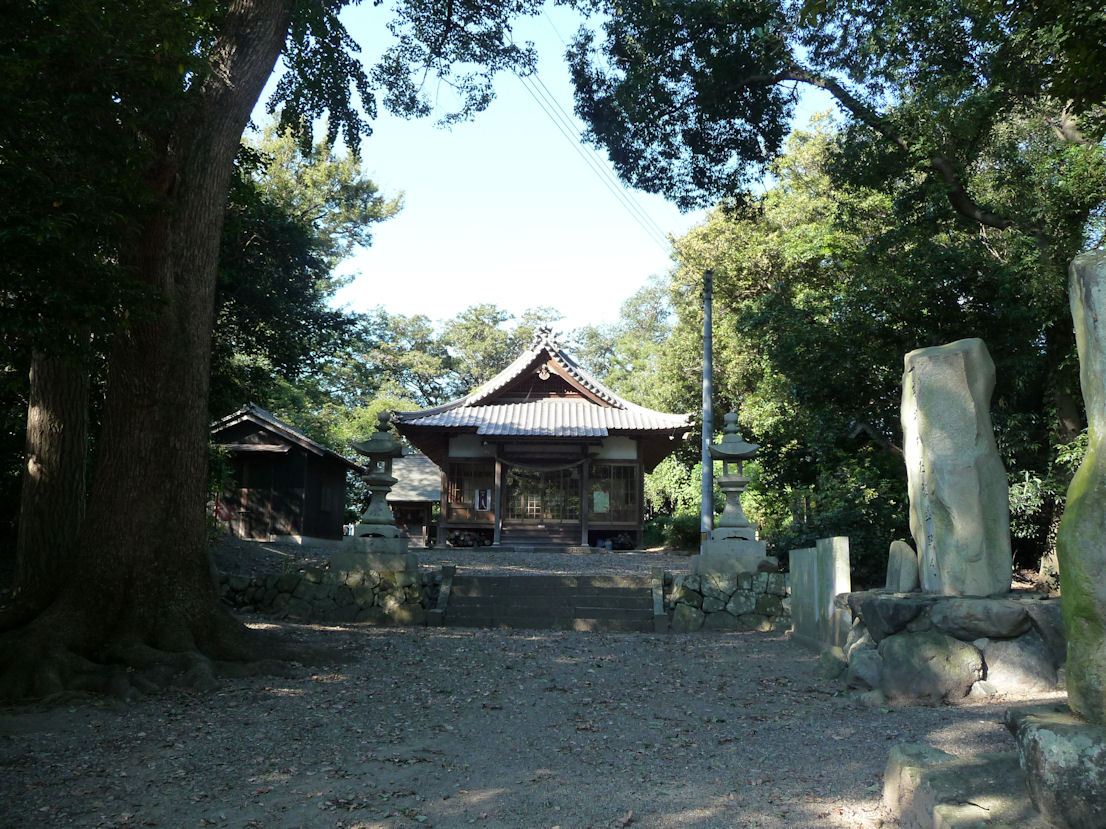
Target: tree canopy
x=692, y=99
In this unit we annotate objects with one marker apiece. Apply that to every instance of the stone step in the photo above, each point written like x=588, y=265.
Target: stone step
x=607, y=603
x=542, y=584
x=930, y=789
x=531, y=622
x=478, y=591
x=581, y=608
x=590, y=609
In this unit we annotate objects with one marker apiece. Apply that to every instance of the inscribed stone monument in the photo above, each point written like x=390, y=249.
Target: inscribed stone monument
x=1081, y=543
x=959, y=500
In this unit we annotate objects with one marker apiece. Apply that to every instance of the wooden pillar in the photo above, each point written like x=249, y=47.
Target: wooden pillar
x=585, y=507
x=640, y=503
x=497, y=503
x=443, y=508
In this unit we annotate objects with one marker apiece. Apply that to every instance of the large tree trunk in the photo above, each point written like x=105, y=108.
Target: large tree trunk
x=52, y=501
x=141, y=580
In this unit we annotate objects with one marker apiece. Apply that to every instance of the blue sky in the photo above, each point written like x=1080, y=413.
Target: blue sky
x=503, y=209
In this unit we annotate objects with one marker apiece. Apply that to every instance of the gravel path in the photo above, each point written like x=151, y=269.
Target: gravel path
x=452, y=728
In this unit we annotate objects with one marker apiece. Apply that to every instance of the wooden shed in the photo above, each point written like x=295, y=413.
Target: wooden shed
x=543, y=453
x=282, y=483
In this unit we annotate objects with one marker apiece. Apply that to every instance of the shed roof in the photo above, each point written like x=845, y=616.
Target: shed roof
x=417, y=479
x=253, y=413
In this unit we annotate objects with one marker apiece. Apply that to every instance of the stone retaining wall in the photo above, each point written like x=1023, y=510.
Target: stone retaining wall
x=747, y=601
x=317, y=594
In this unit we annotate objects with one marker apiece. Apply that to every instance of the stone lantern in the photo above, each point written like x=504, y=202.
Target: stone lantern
x=733, y=452
x=377, y=532
x=732, y=546
x=378, y=521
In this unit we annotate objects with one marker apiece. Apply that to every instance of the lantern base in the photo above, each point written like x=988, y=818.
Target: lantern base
x=728, y=556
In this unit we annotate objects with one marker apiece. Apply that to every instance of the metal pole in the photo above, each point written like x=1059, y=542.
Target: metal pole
x=707, y=512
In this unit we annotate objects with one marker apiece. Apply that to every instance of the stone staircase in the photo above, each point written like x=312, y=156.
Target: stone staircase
x=585, y=603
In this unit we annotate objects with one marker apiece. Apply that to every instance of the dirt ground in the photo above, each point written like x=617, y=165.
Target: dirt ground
x=455, y=728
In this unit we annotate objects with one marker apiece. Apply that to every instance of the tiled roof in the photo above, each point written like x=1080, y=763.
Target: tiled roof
x=550, y=418
x=547, y=417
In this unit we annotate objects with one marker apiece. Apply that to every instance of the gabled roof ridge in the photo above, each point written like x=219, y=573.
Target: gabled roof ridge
x=287, y=429
x=544, y=342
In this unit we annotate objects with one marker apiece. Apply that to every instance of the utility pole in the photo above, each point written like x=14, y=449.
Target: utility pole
x=707, y=512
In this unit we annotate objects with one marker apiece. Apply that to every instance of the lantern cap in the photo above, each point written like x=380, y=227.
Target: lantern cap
x=382, y=443
x=732, y=447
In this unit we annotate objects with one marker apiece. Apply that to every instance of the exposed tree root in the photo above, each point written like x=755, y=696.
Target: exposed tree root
x=38, y=662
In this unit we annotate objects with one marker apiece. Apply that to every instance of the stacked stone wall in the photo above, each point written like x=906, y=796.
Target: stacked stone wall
x=317, y=594
x=745, y=601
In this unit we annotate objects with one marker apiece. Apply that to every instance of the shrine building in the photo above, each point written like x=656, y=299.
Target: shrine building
x=543, y=453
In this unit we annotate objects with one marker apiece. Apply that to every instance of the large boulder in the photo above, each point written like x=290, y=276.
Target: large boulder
x=974, y=618
x=1019, y=666
x=1048, y=619
x=959, y=499
x=687, y=619
x=888, y=615
x=865, y=669
x=1081, y=542
x=927, y=667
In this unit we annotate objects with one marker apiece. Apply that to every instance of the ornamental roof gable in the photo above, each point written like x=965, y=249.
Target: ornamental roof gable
x=543, y=391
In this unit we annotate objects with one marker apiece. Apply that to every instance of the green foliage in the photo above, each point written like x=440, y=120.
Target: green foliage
x=684, y=532
x=72, y=176
x=627, y=353
x=290, y=218
x=821, y=286
x=653, y=531
x=692, y=98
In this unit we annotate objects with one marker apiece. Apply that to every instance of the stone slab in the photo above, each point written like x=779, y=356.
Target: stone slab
x=1080, y=543
x=818, y=576
x=887, y=615
x=972, y=618
x=1064, y=759
x=902, y=568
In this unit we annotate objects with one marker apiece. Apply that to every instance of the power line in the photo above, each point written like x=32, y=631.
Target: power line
x=605, y=170
x=569, y=131
x=619, y=195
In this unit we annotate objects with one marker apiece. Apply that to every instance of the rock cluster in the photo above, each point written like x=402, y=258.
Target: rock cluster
x=927, y=649
x=318, y=594
x=743, y=601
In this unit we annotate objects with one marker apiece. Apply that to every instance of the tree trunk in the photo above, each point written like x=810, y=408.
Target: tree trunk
x=142, y=577
x=52, y=501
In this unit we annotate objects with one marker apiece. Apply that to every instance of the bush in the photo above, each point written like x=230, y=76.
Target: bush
x=653, y=533
x=683, y=533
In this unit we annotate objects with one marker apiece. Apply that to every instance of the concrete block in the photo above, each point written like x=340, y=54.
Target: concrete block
x=818, y=575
